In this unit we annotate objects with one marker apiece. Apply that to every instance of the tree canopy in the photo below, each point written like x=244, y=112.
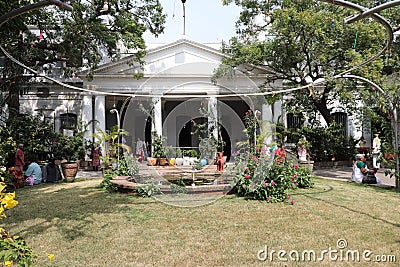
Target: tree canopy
x=81, y=39
x=304, y=41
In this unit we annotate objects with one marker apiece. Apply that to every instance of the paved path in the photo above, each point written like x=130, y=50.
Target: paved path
x=89, y=174
x=344, y=173
x=341, y=173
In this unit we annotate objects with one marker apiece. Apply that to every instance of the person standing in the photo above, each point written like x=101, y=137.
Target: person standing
x=302, y=149
x=19, y=157
x=96, y=153
x=34, y=172
x=140, y=148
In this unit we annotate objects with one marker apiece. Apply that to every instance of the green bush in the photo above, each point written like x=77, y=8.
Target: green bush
x=70, y=148
x=36, y=135
x=106, y=183
x=127, y=166
x=259, y=176
x=149, y=189
x=327, y=142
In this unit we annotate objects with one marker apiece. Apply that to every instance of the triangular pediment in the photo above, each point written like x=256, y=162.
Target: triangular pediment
x=170, y=59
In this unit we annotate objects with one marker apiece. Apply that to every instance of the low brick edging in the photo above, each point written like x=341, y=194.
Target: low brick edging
x=124, y=184
x=333, y=164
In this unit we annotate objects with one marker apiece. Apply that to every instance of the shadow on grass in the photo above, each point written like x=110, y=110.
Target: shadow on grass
x=68, y=208
x=311, y=195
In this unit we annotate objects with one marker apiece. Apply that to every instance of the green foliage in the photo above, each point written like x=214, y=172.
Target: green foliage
x=70, y=148
x=127, y=166
x=335, y=145
x=36, y=135
x=106, y=183
x=300, y=58
x=190, y=153
x=148, y=189
x=259, y=176
x=179, y=187
x=110, y=145
x=179, y=153
x=158, y=146
x=14, y=249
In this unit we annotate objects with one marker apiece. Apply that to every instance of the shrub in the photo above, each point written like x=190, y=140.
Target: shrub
x=106, y=183
x=259, y=176
x=13, y=249
x=70, y=148
x=149, y=189
x=127, y=166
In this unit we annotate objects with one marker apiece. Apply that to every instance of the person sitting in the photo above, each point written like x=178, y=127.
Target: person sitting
x=33, y=174
x=360, y=169
x=51, y=172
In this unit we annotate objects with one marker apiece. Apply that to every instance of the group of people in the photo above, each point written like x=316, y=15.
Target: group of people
x=33, y=173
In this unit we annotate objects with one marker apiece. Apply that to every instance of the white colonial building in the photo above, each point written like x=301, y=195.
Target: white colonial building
x=176, y=83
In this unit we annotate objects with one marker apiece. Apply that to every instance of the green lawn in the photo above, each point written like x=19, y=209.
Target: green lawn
x=84, y=226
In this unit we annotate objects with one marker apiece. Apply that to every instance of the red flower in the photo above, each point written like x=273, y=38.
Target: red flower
x=292, y=202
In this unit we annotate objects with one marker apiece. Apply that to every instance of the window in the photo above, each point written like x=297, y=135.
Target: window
x=294, y=122
x=68, y=121
x=341, y=118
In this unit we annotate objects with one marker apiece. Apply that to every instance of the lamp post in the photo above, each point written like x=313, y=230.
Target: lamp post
x=112, y=111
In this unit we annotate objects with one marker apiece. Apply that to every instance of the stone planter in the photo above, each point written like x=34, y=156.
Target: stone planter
x=69, y=170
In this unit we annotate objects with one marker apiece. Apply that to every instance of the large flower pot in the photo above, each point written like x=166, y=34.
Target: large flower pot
x=162, y=161
x=151, y=161
x=69, y=170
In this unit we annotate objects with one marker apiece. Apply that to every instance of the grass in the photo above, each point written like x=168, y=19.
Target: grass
x=84, y=226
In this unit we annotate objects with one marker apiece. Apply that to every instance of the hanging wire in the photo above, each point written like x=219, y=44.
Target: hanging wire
x=377, y=17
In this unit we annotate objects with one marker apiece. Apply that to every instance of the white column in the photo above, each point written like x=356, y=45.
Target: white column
x=87, y=116
x=157, y=124
x=213, y=116
x=268, y=126
x=100, y=112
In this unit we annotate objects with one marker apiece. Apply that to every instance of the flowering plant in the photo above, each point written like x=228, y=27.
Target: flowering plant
x=259, y=175
x=12, y=248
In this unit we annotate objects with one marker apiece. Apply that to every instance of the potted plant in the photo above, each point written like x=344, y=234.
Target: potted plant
x=179, y=157
x=159, y=150
x=171, y=155
x=208, y=150
x=70, y=149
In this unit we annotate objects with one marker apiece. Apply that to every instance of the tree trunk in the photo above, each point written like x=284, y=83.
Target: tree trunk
x=323, y=109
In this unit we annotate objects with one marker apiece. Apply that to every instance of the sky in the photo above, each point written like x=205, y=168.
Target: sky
x=206, y=21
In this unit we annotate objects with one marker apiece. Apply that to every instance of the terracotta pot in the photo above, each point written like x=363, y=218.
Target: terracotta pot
x=69, y=170
x=151, y=161
x=162, y=161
